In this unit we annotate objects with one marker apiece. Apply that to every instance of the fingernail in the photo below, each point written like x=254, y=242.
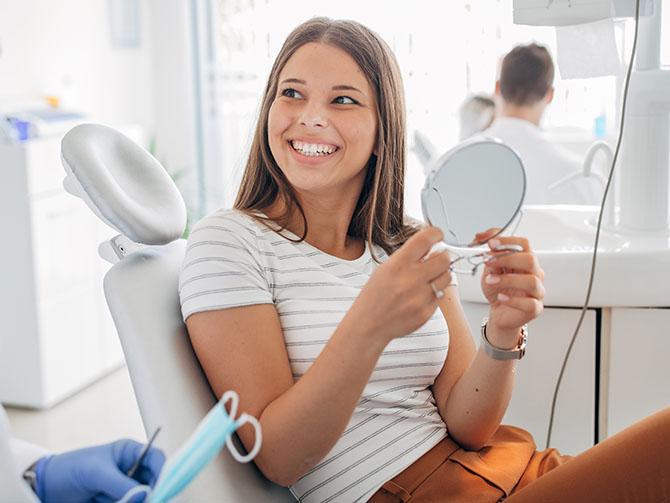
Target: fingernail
x=492, y=279
x=502, y=297
x=495, y=243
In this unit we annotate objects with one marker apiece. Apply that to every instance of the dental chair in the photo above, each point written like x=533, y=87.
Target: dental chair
x=131, y=192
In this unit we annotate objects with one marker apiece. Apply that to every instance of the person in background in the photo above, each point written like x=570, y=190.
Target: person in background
x=91, y=474
x=475, y=115
x=525, y=90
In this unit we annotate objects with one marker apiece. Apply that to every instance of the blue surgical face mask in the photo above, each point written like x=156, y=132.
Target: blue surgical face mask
x=204, y=444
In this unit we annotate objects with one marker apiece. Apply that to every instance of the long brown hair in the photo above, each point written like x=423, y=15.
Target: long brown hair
x=379, y=214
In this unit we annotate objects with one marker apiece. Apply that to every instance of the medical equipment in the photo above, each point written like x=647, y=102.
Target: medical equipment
x=143, y=452
x=647, y=147
x=477, y=187
x=213, y=432
x=200, y=449
x=129, y=190
x=644, y=161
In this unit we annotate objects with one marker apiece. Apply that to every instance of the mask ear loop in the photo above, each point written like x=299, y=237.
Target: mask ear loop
x=244, y=419
x=234, y=402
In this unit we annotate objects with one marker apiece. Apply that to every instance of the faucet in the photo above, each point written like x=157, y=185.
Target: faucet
x=586, y=172
x=609, y=212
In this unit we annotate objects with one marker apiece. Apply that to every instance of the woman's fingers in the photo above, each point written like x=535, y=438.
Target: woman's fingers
x=442, y=281
x=529, y=284
x=416, y=247
x=521, y=261
x=482, y=237
x=529, y=305
x=435, y=265
x=509, y=240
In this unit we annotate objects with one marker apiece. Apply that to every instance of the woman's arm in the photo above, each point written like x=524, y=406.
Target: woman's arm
x=473, y=390
x=243, y=349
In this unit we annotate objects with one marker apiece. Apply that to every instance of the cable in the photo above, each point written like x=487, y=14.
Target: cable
x=600, y=219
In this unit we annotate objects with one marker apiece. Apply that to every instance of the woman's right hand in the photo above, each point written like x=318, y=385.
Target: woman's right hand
x=398, y=298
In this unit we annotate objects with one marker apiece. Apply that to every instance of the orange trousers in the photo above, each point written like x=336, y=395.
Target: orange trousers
x=631, y=466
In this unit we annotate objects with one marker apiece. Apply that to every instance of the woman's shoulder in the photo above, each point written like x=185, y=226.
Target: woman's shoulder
x=228, y=231
x=227, y=222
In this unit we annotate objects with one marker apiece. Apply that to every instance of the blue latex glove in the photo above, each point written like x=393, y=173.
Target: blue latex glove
x=96, y=473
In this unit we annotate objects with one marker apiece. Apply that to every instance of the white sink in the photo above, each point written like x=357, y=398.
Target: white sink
x=633, y=268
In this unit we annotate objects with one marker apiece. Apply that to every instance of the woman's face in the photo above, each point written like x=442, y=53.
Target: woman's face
x=322, y=125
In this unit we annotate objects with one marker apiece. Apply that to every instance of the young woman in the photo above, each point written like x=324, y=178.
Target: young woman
x=320, y=304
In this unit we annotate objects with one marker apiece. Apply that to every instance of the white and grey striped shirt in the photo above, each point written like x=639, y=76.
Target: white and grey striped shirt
x=233, y=260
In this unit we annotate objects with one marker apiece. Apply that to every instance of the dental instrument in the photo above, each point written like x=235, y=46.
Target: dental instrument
x=143, y=452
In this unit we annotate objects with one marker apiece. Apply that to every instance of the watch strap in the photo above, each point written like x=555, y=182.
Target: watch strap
x=504, y=354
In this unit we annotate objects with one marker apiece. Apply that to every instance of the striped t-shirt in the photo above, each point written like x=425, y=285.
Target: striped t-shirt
x=233, y=260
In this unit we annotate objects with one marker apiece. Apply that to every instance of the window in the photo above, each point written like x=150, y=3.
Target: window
x=446, y=51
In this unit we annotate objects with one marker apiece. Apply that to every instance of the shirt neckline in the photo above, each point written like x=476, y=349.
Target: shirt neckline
x=285, y=233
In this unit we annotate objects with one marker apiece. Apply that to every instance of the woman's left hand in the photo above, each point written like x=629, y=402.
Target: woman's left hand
x=513, y=283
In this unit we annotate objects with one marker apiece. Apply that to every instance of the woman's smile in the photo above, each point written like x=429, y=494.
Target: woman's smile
x=312, y=152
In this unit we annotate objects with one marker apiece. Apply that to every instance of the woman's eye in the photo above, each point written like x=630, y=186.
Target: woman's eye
x=345, y=100
x=291, y=93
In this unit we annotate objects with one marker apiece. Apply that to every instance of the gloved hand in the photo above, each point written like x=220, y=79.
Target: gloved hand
x=96, y=473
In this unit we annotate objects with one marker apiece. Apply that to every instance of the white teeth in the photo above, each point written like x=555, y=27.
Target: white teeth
x=313, y=149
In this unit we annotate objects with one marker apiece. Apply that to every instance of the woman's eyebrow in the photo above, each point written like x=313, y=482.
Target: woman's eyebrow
x=345, y=87
x=340, y=87
x=293, y=81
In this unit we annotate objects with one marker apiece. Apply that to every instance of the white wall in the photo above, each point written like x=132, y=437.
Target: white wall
x=64, y=48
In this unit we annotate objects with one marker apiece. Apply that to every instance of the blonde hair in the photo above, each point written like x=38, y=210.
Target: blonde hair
x=379, y=214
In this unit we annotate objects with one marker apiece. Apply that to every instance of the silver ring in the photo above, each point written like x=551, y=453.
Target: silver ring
x=438, y=293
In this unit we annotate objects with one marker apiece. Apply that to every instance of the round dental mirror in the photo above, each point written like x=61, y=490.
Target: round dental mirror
x=477, y=186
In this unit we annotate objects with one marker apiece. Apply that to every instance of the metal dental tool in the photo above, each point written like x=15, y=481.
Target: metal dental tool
x=143, y=453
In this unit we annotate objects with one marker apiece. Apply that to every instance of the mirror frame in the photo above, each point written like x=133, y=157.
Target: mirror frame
x=467, y=145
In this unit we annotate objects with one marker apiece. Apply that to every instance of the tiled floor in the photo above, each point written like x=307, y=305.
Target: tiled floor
x=103, y=412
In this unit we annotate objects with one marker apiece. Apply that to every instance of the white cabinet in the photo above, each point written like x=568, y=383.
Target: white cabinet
x=537, y=373
x=639, y=366
x=57, y=334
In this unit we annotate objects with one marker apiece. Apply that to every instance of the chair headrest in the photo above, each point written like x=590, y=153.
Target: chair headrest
x=123, y=184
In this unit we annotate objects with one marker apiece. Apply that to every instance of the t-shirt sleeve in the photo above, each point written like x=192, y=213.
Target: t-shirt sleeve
x=222, y=268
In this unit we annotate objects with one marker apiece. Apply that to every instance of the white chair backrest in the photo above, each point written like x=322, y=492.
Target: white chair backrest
x=141, y=290
x=172, y=392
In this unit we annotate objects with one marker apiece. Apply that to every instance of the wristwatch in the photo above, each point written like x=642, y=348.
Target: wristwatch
x=505, y=354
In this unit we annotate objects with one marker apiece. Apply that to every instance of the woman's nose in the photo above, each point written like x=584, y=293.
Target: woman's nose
x=313, y=116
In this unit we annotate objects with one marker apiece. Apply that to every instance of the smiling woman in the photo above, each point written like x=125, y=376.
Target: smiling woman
x=324, y=308
x=332, y=108
x=321, y=138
